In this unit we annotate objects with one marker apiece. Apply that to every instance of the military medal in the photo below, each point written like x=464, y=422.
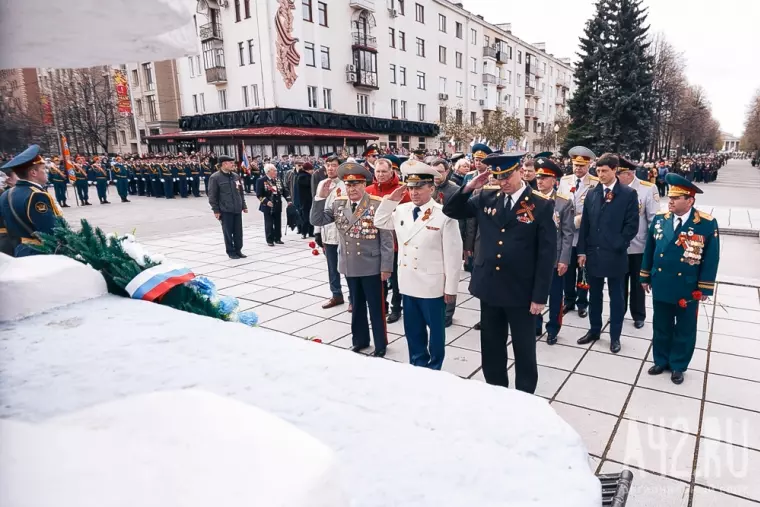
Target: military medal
x=426, y=215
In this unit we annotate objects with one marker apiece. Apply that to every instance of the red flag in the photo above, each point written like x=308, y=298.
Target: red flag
x=66, y=159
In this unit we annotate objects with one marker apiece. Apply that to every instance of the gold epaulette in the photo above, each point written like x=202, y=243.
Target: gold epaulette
x=375, y=197
x=646, y=183
x=664, y=213
x=341, y=197
x=593, y=178
x=562, y=196
x=491, y=187
x=567, y=176
x=705, y=216
x=542, y=196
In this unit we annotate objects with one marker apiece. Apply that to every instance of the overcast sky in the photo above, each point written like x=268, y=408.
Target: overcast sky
x=720, y=40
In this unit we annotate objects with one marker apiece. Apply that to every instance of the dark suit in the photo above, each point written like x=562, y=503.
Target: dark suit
x=273, y=191
x=607, y=228
x=513, y=267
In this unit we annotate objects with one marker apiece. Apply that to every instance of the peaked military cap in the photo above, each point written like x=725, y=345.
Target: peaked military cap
x=352, y=172
x=401, y=159
x=395, y=162
x=581, y=155
x=417, y=173
x=480, y=151
x=455, y=157
x=547, y=167
x=419, y=151
x=226, y=158
x=26, y=158
x=625, y=165
x=543, y=154
x=681, y=186
x=372, y=150
x=503, y=164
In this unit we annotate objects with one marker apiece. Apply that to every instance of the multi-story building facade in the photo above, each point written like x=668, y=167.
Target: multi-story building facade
x=392, y=68
x=154, y=90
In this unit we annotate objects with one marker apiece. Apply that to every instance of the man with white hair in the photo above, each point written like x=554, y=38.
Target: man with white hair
x=227, y=200
x=271, y=192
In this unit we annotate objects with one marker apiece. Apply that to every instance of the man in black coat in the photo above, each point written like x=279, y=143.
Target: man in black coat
x=513, y=265
x=271, y=192
x=225, y=195
x=610, y=221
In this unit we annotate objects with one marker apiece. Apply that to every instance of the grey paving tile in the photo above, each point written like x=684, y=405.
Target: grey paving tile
x=297, y=301
x=241, y=290
x=733, y=392
x=704, y=497
x=460, y=362
x=275, y=280
x=737, y=328
x=558, y=356
x=650, y=490
x=266, y=312
x=568, y=335
x=453, y=332
x=732, y=425
x=692, y=385
x=738, y=314
x=465, y=317
x=300, y=284
x=594, y=428
x=729, y=468
x=735, y=366
x=635, y=348
x=291, y=322
x=737, y=346
x=316, y=309
x=596, y=394
x=268, y=294
x=328, y=331
x=609, y=366
x=469, y=340
x=663, y=409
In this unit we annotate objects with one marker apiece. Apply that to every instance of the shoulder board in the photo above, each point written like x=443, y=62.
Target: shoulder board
x=375, y=197
x=342, y=197
x=539, y=194
x=567, y=177
x=704, y=215
x=491, y=187
x=646, y=183
x=562, y=196
x=666, y=213
x=592, y=177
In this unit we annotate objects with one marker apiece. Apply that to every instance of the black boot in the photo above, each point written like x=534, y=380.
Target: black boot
x=588, y=338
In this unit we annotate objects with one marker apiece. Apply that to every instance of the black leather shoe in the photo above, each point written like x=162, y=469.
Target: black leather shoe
x=393, y=317
x=279, y=243
x=638, y=324
x=677, y=377
x=567, y=310
x=358, y=349
x=551, y=339
x=233, y=256
x=476, y=326
x=270, y=244
x=65, y=205
x=448, y=322
x=588, y=338
x=241, y=255
x=582, y=312
x=615, y=346
x=656, y=370
x=379, y=353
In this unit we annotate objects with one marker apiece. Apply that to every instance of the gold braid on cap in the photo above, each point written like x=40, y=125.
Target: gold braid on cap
x=507, y=170
x=676, y=191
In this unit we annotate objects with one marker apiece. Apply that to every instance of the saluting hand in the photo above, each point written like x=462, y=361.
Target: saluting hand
x=478, y=181
x=326, y=188
x=398, y=194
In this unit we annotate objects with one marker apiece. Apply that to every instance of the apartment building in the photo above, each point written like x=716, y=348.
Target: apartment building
x=154, y=90
x=391, y=68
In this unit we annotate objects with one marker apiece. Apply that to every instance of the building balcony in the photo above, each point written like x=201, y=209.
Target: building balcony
x=559, y=100
x=210, y=31
x=530, y=91
x=362, y=40
x=538, y=72
x=489, y=52
x=368, y=5
x=530, y=112
x=216, y=75
x=489, y=79
x=501, y=82
x=501, y=57
x=363, y=79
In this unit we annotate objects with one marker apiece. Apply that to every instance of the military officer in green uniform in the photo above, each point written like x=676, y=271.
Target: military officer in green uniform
x=167, y=177
x=82, y=184
x=195, y=177
x=59, y=179
x=121, y=173
x=7, y=243
x=132, y=172
x=679, y=267
x=100, y=175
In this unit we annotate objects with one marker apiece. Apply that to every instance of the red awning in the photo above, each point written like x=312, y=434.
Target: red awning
x=266, y=132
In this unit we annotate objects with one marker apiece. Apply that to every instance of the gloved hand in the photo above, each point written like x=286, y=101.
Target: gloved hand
x=318, y=240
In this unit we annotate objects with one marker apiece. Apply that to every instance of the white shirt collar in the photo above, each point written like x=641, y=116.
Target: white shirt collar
x=610, y=186
x=426, y=205
x=516, y=195
x=683, y=217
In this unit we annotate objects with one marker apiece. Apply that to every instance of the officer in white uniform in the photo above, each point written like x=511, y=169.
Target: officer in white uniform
x=578, y=186
x=429, y=261
x=649, y=205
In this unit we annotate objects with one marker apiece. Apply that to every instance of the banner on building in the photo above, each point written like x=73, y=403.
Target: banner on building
x=47, y=110
x=122, y=92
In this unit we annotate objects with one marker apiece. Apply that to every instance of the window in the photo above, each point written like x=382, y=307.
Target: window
x=473, y=64
x=458, y=59
x=393, y=73
x=458, y=30
x=362, y=103
x=222, y=99
x=311, y=91
x=403, y=109
x=519, y=80
x=202, y=102
x=244, y=93
x=459, y=116
x=148, y=71
x=485, y=92
x=306, y=7
x=250, y=51
x=255, y=95
x=322, y=10
x=441, y=84
x=419, y=13
x=473, y=36
x=509, y=77
x=420, y=47
x=139, y=107
x=237, y=11
x=241, y=54
x=394, y=108
x=152, y=111
x=527, y=125
x=198, y=64
x=485, y=67
x=486, y=40
x=114, y=140
x=195, y=103
x=247, y=5
x=442, y=54
x=519, y=56
x=508, y=99
x=309, y=54
x=442, y=23
x=473, y=118
x=191, y=63
x=327, y=98
x=392, y=37
x=401, y=7
x=420, y=112
x=142, y=133
x=473, y=92
x=325, y=51
x=123, y=137
x=420, y=80
x=442, y=113
x=402, y=76
x=460, y=87
x=401, y=40
x=517, y=102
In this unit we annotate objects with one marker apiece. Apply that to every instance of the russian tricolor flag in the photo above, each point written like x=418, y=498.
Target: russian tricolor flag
x=154, y=282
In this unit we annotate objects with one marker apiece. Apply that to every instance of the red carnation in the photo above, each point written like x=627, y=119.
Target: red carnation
x=697, y=294
x=682, y=303
x=318, y=340
x=315, y=252
x=572, y=189
x=312, y=244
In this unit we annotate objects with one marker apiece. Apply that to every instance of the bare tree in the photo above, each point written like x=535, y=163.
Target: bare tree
x=499, y=128
x=668, y=86
x=453, y=126
x=551, y=140
x=750, y=140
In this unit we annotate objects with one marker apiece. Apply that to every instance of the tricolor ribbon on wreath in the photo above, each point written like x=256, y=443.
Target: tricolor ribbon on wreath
x=154, y=282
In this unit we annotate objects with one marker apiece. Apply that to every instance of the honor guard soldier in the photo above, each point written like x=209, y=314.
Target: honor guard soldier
x=82, y=184
x=649, y=205
x=547, y=175
x=183, y=169
x=99, y=174
x=513, y=265
x=479, y=152
x=140, y=176
x=132, y=171
x=157, y=180
x=429, y=261
x=59, y=179
x=679, y=267
x=366, y=252
x=7, y=243
x=578, y=186
x=166, y=172
x=207, y=169
x=27, y=209
x=195, y=177
x=121, y=173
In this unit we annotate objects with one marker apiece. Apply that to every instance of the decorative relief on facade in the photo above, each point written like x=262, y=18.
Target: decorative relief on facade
x=287, y=52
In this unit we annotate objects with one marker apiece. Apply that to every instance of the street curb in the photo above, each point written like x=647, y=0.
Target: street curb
x=731, y=231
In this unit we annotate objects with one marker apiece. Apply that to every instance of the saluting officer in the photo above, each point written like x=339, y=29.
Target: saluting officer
x=429, y=260
x=577, y=185
x=513, y=265
x=366, y=252
x=649, y=205
x=27, y=208
x=679, y=267
x=547, y=174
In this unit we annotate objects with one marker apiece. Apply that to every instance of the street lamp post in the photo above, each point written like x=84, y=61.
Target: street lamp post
x=556, y=136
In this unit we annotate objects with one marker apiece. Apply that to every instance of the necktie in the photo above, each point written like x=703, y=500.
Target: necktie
x=508, y=202
x=606, y=193
x=577, y=184
x=416, y=213
x=353, y=207
x=678, y=223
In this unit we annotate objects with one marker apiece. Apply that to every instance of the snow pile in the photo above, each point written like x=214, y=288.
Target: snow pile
x=35, y=284
x=185, y=448
x=404, y=436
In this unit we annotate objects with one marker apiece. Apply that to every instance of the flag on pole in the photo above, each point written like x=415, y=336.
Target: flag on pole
x=244, y=162
x=67, y=159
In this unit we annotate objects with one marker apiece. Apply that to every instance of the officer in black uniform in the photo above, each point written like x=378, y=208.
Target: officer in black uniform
x=513, y=264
